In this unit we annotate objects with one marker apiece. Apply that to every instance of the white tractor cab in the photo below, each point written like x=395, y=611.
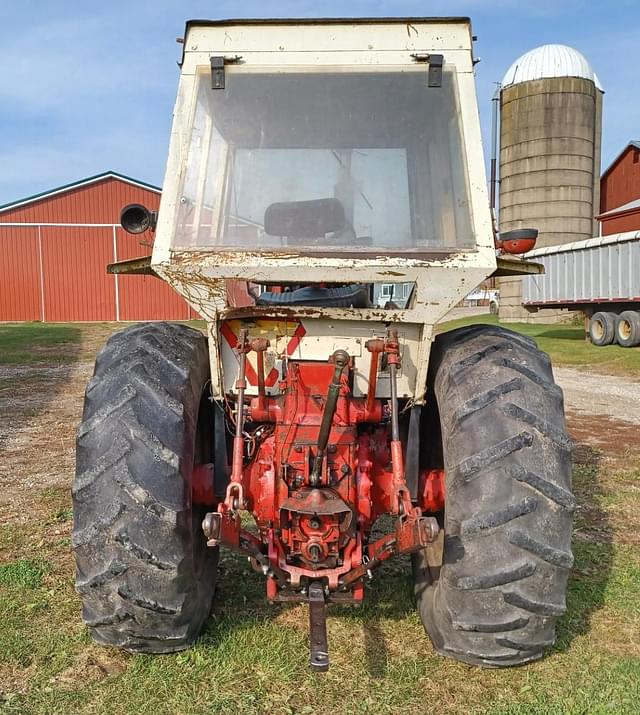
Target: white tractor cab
x=341, y=153
x=314, y=167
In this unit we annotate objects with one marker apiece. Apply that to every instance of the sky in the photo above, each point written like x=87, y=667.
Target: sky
x=87, y=87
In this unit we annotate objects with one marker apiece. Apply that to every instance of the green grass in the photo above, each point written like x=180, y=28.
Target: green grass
x=55, y=343
x=24, y=573
x=35, y=342
x=252, y=657
x=566, y=345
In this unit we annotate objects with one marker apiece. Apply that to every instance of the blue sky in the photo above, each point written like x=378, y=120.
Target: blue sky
x=86, y=87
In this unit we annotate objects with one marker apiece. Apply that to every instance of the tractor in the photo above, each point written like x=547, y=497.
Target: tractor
x=316, y=428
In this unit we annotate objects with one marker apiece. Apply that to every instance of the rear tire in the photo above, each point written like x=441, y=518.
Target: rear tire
x=144, y=572
x=628, y=328
x=501, y=586
x=602, y=328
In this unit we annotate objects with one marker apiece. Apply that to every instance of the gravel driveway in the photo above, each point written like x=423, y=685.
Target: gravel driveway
x=597, y=394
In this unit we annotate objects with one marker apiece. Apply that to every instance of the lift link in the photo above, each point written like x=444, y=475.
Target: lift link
x=234, y=498
x=402, y=502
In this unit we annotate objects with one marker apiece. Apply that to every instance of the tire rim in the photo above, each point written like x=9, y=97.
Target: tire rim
x=624, y=329
x=598, y=330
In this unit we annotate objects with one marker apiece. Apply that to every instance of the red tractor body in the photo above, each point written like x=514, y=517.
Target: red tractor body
x=320, y=467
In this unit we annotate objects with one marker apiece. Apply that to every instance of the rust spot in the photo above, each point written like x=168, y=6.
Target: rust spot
x=222, y=257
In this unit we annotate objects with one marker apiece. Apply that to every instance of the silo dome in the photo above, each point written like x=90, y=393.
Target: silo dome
x=550, y=61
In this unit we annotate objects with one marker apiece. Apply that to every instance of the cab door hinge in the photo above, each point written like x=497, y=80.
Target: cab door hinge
x=434, y=77
x=217, y=69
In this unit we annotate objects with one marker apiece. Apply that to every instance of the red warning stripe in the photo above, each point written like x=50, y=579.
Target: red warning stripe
x=297, y=336
x=232, y=339
x=271, y=379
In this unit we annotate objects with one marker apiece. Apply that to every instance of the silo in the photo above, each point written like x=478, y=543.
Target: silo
x=550, y=129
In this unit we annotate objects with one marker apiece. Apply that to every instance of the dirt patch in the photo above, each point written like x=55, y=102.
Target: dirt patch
x=40, y=407
x=603, y=432
x=92, y=665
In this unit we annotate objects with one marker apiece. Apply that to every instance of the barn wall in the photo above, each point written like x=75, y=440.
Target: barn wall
x=76, y=284
x=621, y=183
x=628, y=221
x=20, y=288
x=58, y=273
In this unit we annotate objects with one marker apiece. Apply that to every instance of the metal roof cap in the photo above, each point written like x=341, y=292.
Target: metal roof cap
x=550, y=61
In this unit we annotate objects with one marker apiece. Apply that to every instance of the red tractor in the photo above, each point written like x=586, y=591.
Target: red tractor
x=316, y=167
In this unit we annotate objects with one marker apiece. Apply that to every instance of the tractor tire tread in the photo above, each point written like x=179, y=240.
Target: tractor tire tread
x=482, y=522
x=498, y=627
x=501, y=586
x=144, y=587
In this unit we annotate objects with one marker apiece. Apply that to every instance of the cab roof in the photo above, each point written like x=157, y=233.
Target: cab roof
x=326, y=21
x=329, y=21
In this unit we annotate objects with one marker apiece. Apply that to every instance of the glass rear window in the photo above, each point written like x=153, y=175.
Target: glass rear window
x=365, y=161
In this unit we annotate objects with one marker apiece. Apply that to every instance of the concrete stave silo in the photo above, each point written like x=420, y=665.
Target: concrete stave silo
x=550, y=128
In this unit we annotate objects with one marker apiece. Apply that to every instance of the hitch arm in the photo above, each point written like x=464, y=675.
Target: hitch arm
x=223, y=528
x=412, y=533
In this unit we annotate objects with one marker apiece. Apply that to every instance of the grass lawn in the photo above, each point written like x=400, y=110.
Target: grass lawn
x=252, y=657
x=31, y=342
x=566, y=345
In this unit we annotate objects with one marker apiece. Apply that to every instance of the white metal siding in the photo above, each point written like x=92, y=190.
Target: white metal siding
x=587, y=271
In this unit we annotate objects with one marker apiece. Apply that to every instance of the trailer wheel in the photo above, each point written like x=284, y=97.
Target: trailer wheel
x=628, y=328
x=144, y=572
x=602, y=328
x=501, y=586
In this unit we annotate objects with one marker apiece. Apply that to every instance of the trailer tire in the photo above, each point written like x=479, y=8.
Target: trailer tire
x=628, y=328
x=143, y=570
x=602, y=328
x=495, y=598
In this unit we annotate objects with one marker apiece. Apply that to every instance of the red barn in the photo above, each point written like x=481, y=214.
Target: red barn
x=620, y=193
x=55, y=246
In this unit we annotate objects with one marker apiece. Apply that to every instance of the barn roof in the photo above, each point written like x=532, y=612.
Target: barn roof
x=76, y=184
x=631, y=206
x=630, y=145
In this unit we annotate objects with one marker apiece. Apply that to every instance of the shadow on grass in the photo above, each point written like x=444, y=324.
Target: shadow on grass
x=240, y=605
x=593, y=548
x=562, y=334
x=36, y=360
x=390, y=597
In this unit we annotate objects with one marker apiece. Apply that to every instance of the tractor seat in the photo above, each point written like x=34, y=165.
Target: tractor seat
x=349, y=296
